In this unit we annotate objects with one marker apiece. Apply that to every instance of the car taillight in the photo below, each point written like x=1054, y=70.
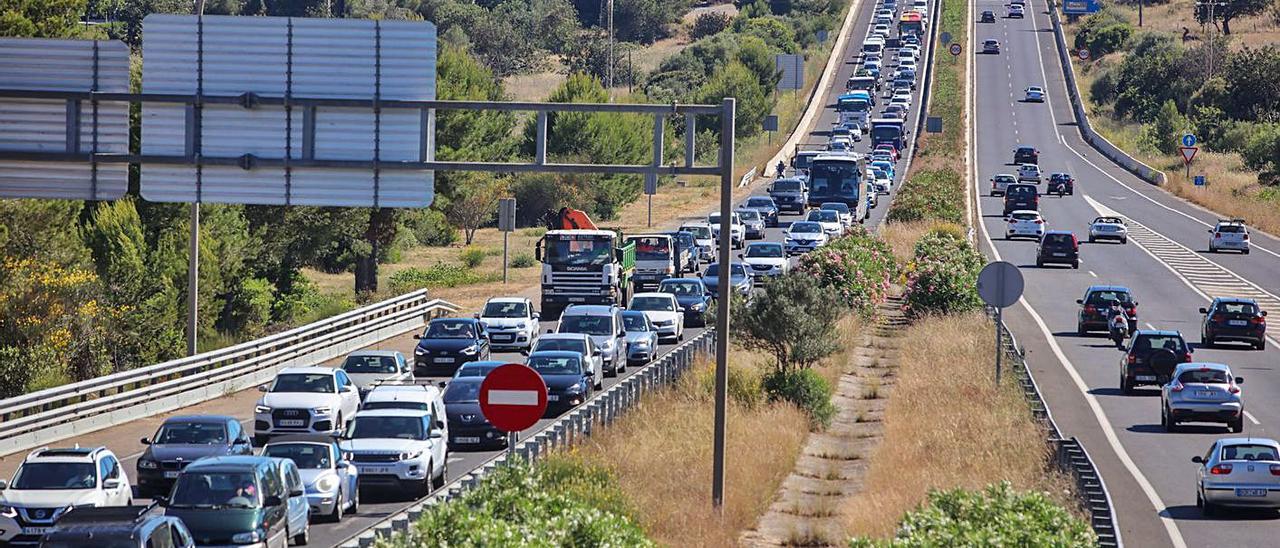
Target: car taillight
x=1133, y=311
x=1258, y=320
x=1176, y=387
x=1234, y=389
x=1013, y=221
x=1217, y=236
x=1075, y=244
x=1186, y=357
x=1246, y=237
x=1089, y=309
x=1221, y=469
x=1218, y=317
x=1275, y=469
x=1039, y=222
x=1133, y=359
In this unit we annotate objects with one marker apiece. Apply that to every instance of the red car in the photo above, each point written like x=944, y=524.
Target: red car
x=889, y=147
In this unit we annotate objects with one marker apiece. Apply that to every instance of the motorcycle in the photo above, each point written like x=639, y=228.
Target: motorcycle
x=1058, y=187
x=1119, y=329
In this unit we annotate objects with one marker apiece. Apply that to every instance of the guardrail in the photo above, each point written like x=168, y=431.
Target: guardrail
x=1070, y=454
x=49, y=415
x=1095, y=139
x=600, y=410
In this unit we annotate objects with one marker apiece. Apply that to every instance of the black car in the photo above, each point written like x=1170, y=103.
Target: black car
x=686, y=249
x=1151, y=358
x=468, y=429
x=1097, y=301
x=766, y=206
x=1234, y=319
x=448, y=343
x=693, y=297
x=568, y=382
x=1021, y=197
x=790, y=194
x=1026, y=155
x=118, y=527
x=988, y=16
x=183, y=440
x=1061, y=183
x=1058, y=247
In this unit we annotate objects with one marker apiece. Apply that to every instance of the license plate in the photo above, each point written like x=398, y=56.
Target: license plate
x=467, y=439
x=577, y=299
x=170, y=475
x=1204, y=394
x=1238, y=323
x=35, y=530
x=502, y=338
x=1059, y=254
x=553, y=397
x=292, y=422
x=1251, y=492
x=375, y=470
x=443, y=360
x=1147, y=378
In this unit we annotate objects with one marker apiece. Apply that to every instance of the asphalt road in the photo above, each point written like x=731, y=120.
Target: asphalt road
x=1166, y=264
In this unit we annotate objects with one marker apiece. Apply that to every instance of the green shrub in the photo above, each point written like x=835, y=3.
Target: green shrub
x=523, y=260
x=806, y=389
x=535, y=232
x=943, y=275
x=435, y=276
x=791, y=319
x=857, y=268
x=743, y=383
x=429, y=227
x=248, y=308
x=472, y=256
x=709, y=23
x=933, y=195
x=996, y=516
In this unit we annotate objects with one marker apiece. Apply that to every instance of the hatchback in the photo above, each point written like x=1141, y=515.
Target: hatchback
x=1026, y=155
x=990, y=46
x=1034, y=94
x=1234, y=319
x=1001, y=182
x=1202, y=392
x=1238, y=472
x=1029, y=172
x=1021, y=197
x=1058, y=247
x=988, y=16
x=1025, y=223
x=1230, y=234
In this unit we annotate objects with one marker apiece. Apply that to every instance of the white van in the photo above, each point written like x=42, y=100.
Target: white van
x=873, y=46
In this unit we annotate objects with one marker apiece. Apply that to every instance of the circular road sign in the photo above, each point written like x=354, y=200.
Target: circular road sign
x=1083, y=54
x=945, y=37
x=1000, y=284
x=1188, y=140
x=513, y=397
x=954, y=49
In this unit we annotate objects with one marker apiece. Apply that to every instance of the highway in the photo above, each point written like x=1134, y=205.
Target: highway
x=1165, y=263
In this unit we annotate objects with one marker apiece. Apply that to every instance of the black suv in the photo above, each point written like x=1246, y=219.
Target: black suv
x=988, y=16
x=1021, y=197
x=118, y=526
x=1058, y=247
x=1151, y=358
x=1026, y=155
x=1097, y=301
x=1233, y=319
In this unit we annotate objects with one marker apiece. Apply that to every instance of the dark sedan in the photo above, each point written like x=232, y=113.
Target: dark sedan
x=766, y=206
x=468, y=429
x=183, y=440
x=447, y=343
x=693, y=297
x=568, y=382
x=1234, y=319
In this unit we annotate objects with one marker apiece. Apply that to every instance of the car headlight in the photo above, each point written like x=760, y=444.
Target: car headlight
x=419, y=352
x=321, y=410
x=575, y=389
x=148, y=464
x=327, y=483
x=469, y=350
x=521, y=325
x=410, y=455
x=698, y=307
x=249, y=537
x=8, y=511
x=262, y=409
x=608, y=345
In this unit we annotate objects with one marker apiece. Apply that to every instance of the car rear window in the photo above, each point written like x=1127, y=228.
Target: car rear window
x=1173, y=343
x=1230, y=228
x=1025, y=216
x=1057, y=239
x=1021, y=191
x=786, y=186
x=1204, y=376
x=1248, y=451
x=1238, y=308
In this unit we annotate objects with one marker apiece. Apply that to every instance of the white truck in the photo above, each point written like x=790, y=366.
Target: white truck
x=656, y=260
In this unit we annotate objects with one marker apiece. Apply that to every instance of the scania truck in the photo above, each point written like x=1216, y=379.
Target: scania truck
x=582, y=264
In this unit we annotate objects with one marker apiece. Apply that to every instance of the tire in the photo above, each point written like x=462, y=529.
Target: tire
x=1246, y=252
x=1126, y=388
x=1260, y=345
x=423, y=488
x=1237, y=426
x=1207, y=342
x=355, y=500
x=1166, y=421
x=1039, y=264
x=1080, y=330
x=437, y=483
x=1076, y=264
x=336, y=515
x=259, y=440
x=301, y=539
x=1124, y=240
x=1090, y=239
x=1212, y=249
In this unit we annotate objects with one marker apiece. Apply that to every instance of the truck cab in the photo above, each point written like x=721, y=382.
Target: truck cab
x=656, y=259
x=584, y=266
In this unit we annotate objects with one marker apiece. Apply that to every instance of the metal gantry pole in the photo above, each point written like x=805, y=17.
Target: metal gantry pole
x=999, y=342
x=193, y=260
x=722, y=304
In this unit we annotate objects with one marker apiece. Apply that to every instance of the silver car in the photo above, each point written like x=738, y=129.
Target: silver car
x=642, y=337
x=1202, y=392
x=1108, y=228
x=331, y=481
x=1238, y=472
x=753, y=222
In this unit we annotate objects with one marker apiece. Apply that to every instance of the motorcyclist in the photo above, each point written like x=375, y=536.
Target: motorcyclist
x=1117, y=321
x=782, y=168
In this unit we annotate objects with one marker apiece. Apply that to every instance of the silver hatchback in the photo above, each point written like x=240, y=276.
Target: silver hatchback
x=1238, y=472
x=1202, y=392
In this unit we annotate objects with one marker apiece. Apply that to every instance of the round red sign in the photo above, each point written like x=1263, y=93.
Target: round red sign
x=1083, y=54
x=513, y=397
x=955, y=49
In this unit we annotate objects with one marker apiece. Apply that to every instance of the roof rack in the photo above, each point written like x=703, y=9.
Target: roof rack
x=76, y=451
x=106, y=514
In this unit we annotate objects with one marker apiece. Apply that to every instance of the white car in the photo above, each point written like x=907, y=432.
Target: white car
x=913, y=49
x=1029, y=172
x=1238, y=472
x=882, y=180
x=1025, y=223
x=908, y=63
x=873, y=195
x=511, y=322
x=369, y=368
x=582, y=344
x=403, y=396
x=1001, y=182
x=1229, y=234
x=902, y=100
x=1034, y=94
x=663, y=310
x=51, y=481
x=766, y=259
x=737, y=230
x=1108, y=228
x=1015, y=10
x=840, y=143
x=846, y=214
x=882, y=20
x=881, y=30
x=704, y=237
x=804, y=236
x=404, y=450
x=305, y=400
x=829, y=219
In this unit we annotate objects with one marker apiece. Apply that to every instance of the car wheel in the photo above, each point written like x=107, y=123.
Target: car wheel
x=1090, y=239
x=1080, y=330
x=1237, y=426
x=1076, y=264
x=1126, y=388
x=1212, y=249
x=259, y=440
x=1199, y=500
x=1246, y=252
x=301, y=539
x=1207, y=342
x=1167, y=421
x=1039, y=264
x=438, y=482
x=1124, y=240
x=1209, y=509
x=1260, y=345
x=355, y=499
x=336, y=515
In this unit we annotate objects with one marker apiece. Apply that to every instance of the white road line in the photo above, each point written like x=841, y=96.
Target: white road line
x=1149, y=326
x=1249, y=416
x=1091, y=273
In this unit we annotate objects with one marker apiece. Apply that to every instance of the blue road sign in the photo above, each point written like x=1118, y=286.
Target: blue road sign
x=1199, y=180
x=1188, y=140
x=1080, y=7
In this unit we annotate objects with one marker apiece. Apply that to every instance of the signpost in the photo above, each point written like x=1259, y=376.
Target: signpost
x=771, y=125
x=944, y=37
x=1000, y=285
x=1200, y=180
x=1083, y=54
x=506, y=225
x=955, y=49
x=1188, y=153
x=933, y=124
x=513, y=398
x=1080, y=7
x=791, y=68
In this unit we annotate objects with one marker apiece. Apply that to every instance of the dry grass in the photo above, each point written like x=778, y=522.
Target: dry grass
x=1173, y=17
x=980, y=436
x=902, y=237
x=673, y=501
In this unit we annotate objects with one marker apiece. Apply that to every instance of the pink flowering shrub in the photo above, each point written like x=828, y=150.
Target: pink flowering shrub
x=857, y=269
x=942, y=277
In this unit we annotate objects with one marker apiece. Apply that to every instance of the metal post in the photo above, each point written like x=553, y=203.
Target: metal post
x=722, y=304
x=999, y=342
x=512, y=439
x=650, y=223
x=193, y=281
x=610, y=71
x=505, y=234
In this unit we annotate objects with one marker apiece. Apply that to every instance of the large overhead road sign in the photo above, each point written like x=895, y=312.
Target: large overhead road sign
x=36, y=126
x=513, y=397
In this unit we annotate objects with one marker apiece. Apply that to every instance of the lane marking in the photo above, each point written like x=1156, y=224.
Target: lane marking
x=1249, y=416
x=1091, y=273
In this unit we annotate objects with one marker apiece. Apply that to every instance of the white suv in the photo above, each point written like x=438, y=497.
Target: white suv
x=305, y=400
x=403, y=396
x=51, y=481
x=511, y=323
x=737, y=230
x=403, y=449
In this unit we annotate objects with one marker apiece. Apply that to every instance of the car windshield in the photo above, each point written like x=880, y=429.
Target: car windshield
x=1104, y=297
x=653, y=304
x=1021, y=191
x=308, y=383
x=55, y=475
x=771, y=251
x=835, y=206
x=1108, y=220
x=396, y=404
x=1238, y=308
x=699, y=232
x=194, y=433
x=760, y=202
x=460, y=391
x=569, y=345
x=559, y=365
x=651, y=248
x=215, y=490
x=505, y=310
x=1021, y=150
x=310, y=456
x=450, y=330
x=1172, y=343
x=591, y=325
x=1204, y=376
x=1005, y=178
x=680, y=289
x=787, y=185
x=824, y=216
x=1025, y=216
x=474, y=369
x=593, y=250
x=805, y=228
x=749, y=215
x=367, y=427
x=1249, y=451
x=735, y=270
x=635, y=322
x=369, y=364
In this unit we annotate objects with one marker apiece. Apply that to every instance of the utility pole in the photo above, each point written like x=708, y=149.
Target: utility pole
x=193, y=261
x=610, y=71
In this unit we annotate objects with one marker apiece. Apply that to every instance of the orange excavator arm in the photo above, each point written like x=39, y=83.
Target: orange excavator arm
x=571, y=219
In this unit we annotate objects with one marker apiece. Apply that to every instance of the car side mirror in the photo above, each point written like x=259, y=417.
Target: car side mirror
x=680, y=309
x=537, y=316
x=342, y=464
x=740, y=256
x=436, y=434
x=1239, y=380
x=161, y=501
x=110, y=484
x=1210, y=231
x=1079, y=301
x=272, y=500
x=1197, y=459
x=441, y=384
x=524, y=351
x=349, y=388
x=439, y=424
x=1204, y=311
x=145, y=441
x=262, y=388
x=3, y=485
x=417, y=336
x=1264, y=313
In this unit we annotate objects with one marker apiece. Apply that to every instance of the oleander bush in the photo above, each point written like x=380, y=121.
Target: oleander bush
x=930, y=195
x=943, y=275
x=857, y=268
x=435, y=276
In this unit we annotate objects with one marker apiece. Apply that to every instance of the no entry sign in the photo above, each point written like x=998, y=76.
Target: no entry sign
x=513, y=397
